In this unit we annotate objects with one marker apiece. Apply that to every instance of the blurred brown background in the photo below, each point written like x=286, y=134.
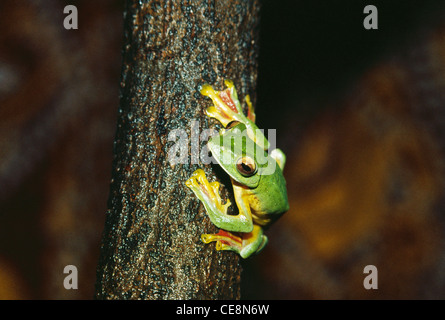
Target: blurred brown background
x=359, y=113
x=58, y=102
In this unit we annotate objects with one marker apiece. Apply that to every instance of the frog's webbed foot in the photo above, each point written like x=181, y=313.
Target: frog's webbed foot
x=227, y=109
x=245, y=244
x=208, y=193
x=224, y=241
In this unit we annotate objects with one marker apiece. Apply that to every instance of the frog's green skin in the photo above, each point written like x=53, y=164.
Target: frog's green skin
x=257, y=178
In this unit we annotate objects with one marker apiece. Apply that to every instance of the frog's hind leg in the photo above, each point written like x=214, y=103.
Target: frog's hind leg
x=253, y=242
x=245, y=245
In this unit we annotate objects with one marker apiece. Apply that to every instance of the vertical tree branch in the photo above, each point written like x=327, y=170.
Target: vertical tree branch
x=151, y=246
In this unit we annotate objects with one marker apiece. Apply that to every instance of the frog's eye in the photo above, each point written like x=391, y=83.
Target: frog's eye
x=246, y=166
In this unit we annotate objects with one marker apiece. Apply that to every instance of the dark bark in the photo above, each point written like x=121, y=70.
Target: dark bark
x=151, y=246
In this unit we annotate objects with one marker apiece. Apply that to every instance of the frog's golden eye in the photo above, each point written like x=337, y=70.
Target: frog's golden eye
x=246, y=166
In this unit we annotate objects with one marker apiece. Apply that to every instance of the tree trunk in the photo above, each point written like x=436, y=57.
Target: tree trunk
x=151, y=246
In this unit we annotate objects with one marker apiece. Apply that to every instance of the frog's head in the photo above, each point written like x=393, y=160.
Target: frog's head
x=239, y=156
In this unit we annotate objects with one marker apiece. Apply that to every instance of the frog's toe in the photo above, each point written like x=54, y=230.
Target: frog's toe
x=191, y=182
x=198, y=181
x=200, y=177
x=198, y=173
x=215, y=186
x=197, y=184
x=207, y=238
x=221, y=245
x=206, y=90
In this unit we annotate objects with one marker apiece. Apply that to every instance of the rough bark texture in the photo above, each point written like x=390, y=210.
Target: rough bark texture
x=151, y=244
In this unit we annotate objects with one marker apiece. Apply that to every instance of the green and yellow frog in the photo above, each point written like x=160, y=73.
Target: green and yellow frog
x=259, y=187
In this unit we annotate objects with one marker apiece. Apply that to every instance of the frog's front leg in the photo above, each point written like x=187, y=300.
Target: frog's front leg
x=245, y=244
x=208, y=193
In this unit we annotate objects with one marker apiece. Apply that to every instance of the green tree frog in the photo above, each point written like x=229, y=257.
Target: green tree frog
x=259, y=187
